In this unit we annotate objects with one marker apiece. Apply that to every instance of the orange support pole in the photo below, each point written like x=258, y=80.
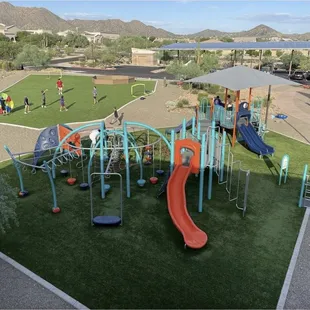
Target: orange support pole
x=235, y=120
x=250, y=98
x=226, y=96
x=212, y=108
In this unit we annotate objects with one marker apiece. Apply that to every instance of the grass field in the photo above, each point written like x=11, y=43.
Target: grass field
x=143, y=263
x=78, y=98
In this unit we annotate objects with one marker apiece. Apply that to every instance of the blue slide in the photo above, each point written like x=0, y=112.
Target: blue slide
x=179, y=128
x=254, y=141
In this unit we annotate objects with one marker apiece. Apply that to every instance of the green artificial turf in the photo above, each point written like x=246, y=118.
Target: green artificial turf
x=78, y=97
x=143, y=264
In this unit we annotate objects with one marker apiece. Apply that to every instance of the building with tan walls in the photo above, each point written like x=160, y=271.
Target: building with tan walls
x=141, y=57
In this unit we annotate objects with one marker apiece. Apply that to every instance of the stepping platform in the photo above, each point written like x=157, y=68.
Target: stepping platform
x=306, y=203
x=107, y=220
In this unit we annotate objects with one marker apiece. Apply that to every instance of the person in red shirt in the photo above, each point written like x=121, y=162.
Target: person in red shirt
x=59, y=85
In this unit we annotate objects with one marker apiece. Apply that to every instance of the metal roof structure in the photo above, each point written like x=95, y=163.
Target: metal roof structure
x=241, y=77
x=289, y=45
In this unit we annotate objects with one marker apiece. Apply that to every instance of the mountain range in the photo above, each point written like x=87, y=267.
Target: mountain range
x=31, y=18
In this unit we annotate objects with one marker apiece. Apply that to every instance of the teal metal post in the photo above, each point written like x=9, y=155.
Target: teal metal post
x=193, y=125
x=17, y=167
x=211, y=155
x=184, y=129
x=102, y=159
x=49, y=173
x=202, y=170
x=198, y=131
x=172, y=137
x=126, y=151
x=304, y=178
x=284, y=166
x=222, y=163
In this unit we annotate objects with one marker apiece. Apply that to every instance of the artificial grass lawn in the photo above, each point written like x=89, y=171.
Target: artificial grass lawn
x=78, y=97
x=143, y=263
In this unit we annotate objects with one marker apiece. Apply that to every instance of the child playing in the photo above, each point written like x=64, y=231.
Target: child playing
x=59, y=86
x=27, y=105
x=62, y=104
x=95, y=95
x=116, y=117
x=94, y=136
x=43, y=99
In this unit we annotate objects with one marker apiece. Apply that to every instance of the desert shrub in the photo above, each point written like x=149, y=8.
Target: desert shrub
x=195, y=91
x=265, y=101
x=186, y=86
x=182, y=102
x=8, y=204
x=7, y=65
x=212, y=89
x=202, y=95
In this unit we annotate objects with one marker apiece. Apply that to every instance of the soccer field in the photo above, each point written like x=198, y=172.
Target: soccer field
x=77, y=92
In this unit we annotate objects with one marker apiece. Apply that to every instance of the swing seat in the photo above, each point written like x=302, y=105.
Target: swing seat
x=107, y=220
x=107, y=187
x=84, y=186
x=71, y=181
x=141, y=182
x=153, y=180
x=160, y=172
x=23, y=193
x=64, y=172
x=56, y=210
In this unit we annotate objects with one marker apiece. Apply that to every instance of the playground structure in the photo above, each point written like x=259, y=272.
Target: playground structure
x=112, y=79
x=304, y=197
x=244, y=119
x=119, y=149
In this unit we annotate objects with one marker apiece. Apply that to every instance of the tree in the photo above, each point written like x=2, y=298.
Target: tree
x=92, y=52
x=226, y=39
x=209, y=62
x=9, y=50
x=305, y=64
x=286, y=59
x=69, y=50
x=184, y=71
x=152, y=38
x=75, y=40
x=31, y=55
x=4, y=38
x=279, y=53
x=267, y=53
x=108, y=58
x=252, y=53
x=8, y=204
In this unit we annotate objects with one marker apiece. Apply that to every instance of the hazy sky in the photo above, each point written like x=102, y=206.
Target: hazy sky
x=186, y=16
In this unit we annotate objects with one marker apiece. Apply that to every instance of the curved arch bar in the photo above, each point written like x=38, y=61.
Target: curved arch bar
x=67, y=137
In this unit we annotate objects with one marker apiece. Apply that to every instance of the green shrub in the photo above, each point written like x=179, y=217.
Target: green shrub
x=212, y=89
x=186, y=86
x=202, y=95
x=182, y=102
x=195, y=91
x=7, y=65
x=265, y=101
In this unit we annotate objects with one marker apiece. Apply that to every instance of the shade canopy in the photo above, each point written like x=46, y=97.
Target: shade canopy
x=241, y=77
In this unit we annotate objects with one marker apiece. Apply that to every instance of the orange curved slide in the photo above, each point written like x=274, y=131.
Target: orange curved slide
x=194, y=237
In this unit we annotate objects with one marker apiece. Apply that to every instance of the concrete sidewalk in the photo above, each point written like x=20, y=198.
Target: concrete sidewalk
x=22, y=289
x=295, y=293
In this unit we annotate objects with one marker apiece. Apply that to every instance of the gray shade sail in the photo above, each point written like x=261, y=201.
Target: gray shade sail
x=241, y=77
x=293, y=45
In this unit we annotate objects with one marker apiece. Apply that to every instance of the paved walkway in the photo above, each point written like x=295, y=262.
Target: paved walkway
x=22, y=289
x=296, y=289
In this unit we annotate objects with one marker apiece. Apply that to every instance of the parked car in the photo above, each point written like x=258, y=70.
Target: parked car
x=297, y=75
